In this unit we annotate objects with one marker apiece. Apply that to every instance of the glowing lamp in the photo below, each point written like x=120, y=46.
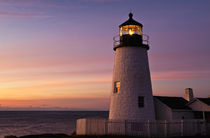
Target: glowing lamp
x=131, y=32
x=130, y=29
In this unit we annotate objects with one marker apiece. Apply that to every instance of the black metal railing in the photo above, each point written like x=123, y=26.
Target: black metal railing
x=116, y=39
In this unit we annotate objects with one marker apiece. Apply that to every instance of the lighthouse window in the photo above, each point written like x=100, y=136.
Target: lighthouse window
x=130, y=29
x=117, y=87
x=141, y=101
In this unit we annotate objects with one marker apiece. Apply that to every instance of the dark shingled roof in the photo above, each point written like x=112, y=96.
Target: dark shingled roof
x=205, y=100
x=174, y=102
x=131, y=21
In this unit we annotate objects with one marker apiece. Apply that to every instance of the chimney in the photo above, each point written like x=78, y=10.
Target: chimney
x=189, y=94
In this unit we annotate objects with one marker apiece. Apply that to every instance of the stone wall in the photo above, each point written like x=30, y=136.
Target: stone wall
x=131, y=69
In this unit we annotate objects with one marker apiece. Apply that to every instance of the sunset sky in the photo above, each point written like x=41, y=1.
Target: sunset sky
x=59, y=53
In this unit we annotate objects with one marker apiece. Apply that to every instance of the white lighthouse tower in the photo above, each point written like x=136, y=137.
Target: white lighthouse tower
x=131, y=96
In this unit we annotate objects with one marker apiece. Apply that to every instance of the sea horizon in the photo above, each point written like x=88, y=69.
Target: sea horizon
x=20, y=123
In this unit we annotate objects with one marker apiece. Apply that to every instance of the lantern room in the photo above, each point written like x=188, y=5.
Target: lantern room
x=131, y=34
x=130, y=30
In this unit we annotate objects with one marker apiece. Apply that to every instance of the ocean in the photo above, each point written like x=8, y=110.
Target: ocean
x=21, y=123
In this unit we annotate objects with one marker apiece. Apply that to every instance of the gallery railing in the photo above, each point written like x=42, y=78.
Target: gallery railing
x=116, y=39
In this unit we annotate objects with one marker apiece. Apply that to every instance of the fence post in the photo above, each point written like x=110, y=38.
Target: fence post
x=106, y=127
x=204, y=127
x=148, y=128
x=125, y=127
x=165, y=128
x=182, y=127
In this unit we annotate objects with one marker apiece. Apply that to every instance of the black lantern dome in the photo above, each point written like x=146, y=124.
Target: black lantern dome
x=131, y=33
x=131, y=21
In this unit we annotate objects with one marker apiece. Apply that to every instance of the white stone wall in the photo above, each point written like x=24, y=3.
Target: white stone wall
x=199, y=106
x=131, y=68
x=162, y=112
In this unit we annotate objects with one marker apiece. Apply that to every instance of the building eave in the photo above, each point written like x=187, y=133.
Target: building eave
x=196, y=99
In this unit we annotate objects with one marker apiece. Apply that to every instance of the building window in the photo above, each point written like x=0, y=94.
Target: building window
x=117, y=87
x=141, y=101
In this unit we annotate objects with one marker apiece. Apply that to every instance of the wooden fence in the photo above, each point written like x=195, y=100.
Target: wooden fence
x=158, y=128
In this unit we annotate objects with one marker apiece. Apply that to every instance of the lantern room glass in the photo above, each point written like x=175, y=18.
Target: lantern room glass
x=130, y=30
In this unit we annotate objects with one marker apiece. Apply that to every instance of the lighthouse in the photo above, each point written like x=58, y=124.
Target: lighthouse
x=131, y=94
x=132, y=109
